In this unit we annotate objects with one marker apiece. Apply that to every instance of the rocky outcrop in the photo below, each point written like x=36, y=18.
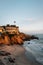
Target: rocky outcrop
x=6, y=58
x=15, y=39
x=4, y=53
x=27, y=37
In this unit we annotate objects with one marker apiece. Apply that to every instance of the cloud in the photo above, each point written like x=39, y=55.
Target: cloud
x=28, y=19
x=33, y=26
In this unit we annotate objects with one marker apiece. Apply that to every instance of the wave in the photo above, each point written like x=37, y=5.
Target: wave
x=36, y=49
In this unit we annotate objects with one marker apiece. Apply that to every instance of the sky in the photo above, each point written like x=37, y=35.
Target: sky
x=28, y=14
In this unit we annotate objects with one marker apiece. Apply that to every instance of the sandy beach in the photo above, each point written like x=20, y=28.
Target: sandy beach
x=16, y=57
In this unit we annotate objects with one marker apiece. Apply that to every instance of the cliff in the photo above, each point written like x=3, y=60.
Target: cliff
x=15, y=38
x=10, y=34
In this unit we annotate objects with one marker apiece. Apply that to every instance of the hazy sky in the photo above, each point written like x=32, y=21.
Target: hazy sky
x=28, y=14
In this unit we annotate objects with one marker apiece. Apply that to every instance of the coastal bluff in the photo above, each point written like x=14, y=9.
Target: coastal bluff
x=10, y=34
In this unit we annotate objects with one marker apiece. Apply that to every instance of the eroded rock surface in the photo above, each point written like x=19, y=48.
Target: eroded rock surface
x=15, y=38
x=4, y=53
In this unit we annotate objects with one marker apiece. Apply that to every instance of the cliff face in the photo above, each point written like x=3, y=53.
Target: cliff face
x=15, y=39
x=10, y=34
x=4, y=40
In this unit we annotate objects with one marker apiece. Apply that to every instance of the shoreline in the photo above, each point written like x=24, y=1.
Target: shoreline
x=18, y=53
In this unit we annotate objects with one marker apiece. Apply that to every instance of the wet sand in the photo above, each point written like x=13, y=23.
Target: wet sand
x=17, y=56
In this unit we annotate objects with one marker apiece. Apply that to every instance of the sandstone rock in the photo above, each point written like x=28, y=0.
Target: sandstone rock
x=4, y=53
x=6, y=39
x=15, y=38
x=11, y=59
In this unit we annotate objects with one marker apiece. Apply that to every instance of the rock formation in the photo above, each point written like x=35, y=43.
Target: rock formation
x=15, y=38
x=10, y=34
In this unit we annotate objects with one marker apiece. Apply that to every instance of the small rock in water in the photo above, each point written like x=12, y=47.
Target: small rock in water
x=28, y=42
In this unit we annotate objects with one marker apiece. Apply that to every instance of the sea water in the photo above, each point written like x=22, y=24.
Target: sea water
x=35, y=47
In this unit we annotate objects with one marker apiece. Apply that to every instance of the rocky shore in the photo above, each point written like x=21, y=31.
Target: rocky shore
x=8, y=39
x=14, y=55
x=11, y=50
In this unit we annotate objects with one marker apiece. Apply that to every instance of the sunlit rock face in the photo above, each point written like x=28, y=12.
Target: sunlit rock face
x=10, y=34
x=15, y=39
x=1, y=40
x=11, y=40
x=6, y=39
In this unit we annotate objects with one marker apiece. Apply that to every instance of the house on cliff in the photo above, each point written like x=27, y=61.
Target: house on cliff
x=1, y=29
x=11, y=29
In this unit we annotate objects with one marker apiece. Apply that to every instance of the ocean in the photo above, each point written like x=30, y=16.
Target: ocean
x=34, y=49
